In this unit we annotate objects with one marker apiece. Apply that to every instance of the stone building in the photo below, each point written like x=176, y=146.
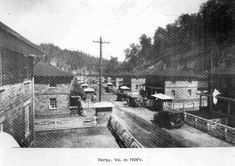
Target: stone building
x=136, y=84
x=182, y=89
x=181, y=85
x=119, y=82
x=16, y=85
x=52, y=89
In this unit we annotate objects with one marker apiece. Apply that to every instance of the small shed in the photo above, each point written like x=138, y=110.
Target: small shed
x=103, y=107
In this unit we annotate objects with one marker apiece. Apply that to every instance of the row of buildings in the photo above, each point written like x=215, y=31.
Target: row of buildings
x=28, y=88
x=188, y=89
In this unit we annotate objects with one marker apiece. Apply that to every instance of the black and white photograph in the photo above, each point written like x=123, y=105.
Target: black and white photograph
x=96, y=78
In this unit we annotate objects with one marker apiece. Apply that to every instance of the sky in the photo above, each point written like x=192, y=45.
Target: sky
x=75, y=24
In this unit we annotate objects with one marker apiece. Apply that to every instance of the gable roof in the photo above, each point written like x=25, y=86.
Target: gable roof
x=7, y=30
x=44, y=69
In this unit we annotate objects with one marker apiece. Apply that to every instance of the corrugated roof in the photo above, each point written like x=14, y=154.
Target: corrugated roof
x=44, y=69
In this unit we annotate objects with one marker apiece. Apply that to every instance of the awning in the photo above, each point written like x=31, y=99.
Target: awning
x=124, y=88
x=82, y=85
x=89, y=90
x=162, y=96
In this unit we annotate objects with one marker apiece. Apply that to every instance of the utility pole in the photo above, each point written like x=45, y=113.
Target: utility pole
x=211, y=86
x=100, y=65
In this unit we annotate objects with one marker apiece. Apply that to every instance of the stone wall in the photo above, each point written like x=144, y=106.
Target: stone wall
x=42, y=104
x=181, y=89
x=42, y=95
x=14, y=100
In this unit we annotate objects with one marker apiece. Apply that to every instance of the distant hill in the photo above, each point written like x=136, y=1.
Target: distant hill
x=70, y=60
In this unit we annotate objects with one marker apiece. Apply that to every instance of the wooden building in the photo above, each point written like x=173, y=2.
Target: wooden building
x=52, y=89
x=16, y=85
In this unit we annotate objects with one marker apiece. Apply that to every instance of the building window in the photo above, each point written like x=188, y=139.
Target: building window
x=173, y=92
x=190, y=92
x=26, y=118
x=52, y=103
x=136, y=87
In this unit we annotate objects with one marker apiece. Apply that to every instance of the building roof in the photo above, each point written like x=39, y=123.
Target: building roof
x=169, y=73
x=44, y=69
x=7, y=30
x=224, y=71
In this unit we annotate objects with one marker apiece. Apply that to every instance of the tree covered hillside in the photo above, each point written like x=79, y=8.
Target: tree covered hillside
x=190, y=42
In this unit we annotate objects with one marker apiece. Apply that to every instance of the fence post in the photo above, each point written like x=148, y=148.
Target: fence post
x=225, y=133
x=196, y=122
x=208, y=128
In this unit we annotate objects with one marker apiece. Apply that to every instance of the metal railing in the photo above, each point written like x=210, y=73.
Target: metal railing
x=212, y=127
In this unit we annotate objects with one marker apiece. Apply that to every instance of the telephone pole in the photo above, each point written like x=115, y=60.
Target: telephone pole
x=211, y=85
x=100, y=64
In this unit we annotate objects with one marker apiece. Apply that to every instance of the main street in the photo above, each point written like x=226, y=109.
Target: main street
x=143, y=118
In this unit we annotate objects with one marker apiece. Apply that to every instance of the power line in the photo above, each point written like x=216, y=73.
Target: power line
x=122, y=8
x=130, y=6
x=148, y=6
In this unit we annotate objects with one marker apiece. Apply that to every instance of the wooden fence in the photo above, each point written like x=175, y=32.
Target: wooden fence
x=212, y=127
x=63, y=123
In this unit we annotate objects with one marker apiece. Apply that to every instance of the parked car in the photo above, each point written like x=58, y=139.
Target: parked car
x=169, y=119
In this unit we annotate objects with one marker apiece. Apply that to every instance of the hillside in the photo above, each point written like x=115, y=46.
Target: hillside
x=193, y=42
x=70, y=60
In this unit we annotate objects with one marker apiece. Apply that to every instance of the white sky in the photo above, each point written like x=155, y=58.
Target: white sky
x=74, y=24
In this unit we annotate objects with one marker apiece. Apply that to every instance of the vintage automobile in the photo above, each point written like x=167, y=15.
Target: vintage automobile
x=160, y=102
x=169, y=119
